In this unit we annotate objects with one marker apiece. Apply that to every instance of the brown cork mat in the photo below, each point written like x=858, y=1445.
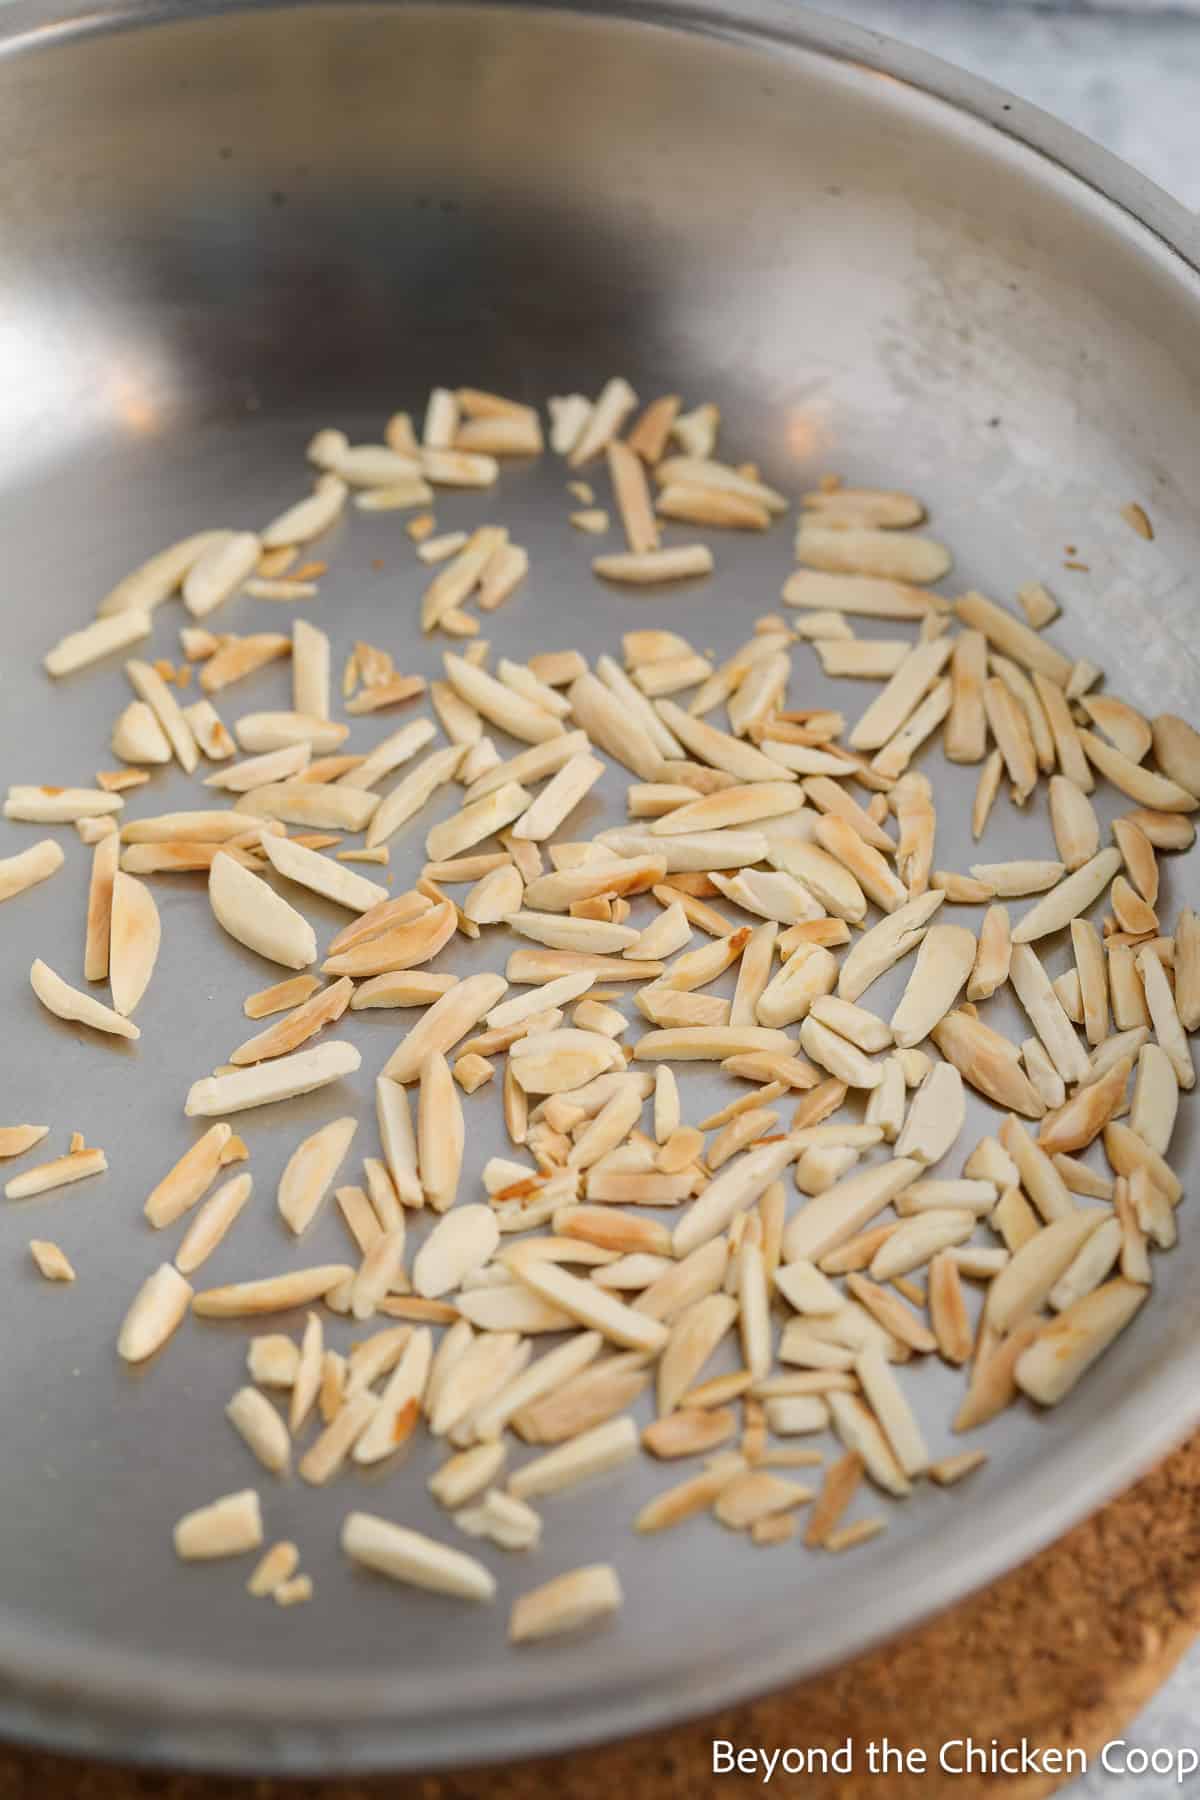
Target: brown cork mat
x=1064, y=1651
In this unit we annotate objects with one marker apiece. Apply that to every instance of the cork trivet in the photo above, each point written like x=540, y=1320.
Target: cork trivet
x=1064, y=1651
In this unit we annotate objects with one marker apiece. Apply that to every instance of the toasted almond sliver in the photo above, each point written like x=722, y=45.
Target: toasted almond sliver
x=887, y=1401
x=588, y=1454
x=944, y=962
x=150, y=687
x=184, y=1184
x=859, y=1432
x=155, y=1313
x=1077, y=1123
x=16, y=1139
x=251, y=911
x=408, y=1556
x=858, y=550
x=322, y=805
x=755, y=1495
x=228, y=1527
x=267, y=1083
x=211, y=1223
x=274, y=1570
x=1032, y=987
x=324, y=1007
x=311, y=1170
x=690, y=1497
x=632, y=497
x=882, y=946
x=590, y=1306
x=135, y=934
x=393, y=951
x=274, y=1293
x=1143, y=786
x=835, y=1216
x=259, y=1424
x=446, y=1021
x=59, y=806
x=907, y=687
x=1160, y=1002
x=94, y=641
x=1009, y=635
x=29, y=867
x=1064, y=1350
x=68, y=1003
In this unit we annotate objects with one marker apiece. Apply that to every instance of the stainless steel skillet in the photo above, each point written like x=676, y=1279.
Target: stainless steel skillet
x=223, y=227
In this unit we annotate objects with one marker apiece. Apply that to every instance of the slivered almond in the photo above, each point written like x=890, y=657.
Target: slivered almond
x=1177, y=751
x=408, y=1556
x=59, y=806
x=944, y=962
x=609, y=725
x=1032, y=987
x=211, y=1223
x=51, y=1262
x=275, y=1293
x=155, y=1314
x=859, y=1432
x=321, y=1009
x=77, y=1008
x=1133, y=915
x=1008, y=727
x=404, y=946
x=97, y=946
x=907, y=687
x=947, y=1310
x=60, y=1172
x=282, y=1079
x=632, y=496
x=134, y=941
x=16, y=1139
x=29, y=867
x=559, y=798
x=864, y=506
x=965, y=738
x=261, y=771
x=1160, y=1002
x=858, y=550
x=718, y=748
x=180, y=1189
x=1127, y=1152
x=311, y=1171
x=990, y=971
x=1157, y=792
x=499, y=704
x=614, y=874
x=446, y=1021
x=256, y=916
x=1011, y=880
x=150, y=687
x=1010, y=636
x=1155, y=1098
x=828, y=797
x=1121, y=724
x=1063, y=1351
x=228, y=1527
x=834, y=1217
x=732, y=806
x=238, y=657
x=1069, y=898
x=1139, y=856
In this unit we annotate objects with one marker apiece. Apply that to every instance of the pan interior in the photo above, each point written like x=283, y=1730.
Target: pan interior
x=222, y=232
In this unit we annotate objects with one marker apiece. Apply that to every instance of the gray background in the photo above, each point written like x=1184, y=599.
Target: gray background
x=1129, y=76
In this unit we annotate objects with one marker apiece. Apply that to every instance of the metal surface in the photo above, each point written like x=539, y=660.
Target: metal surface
x=222, y=231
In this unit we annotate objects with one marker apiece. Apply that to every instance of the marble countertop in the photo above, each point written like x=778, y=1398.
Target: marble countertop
x=1128, y=75
x=1129, y=78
